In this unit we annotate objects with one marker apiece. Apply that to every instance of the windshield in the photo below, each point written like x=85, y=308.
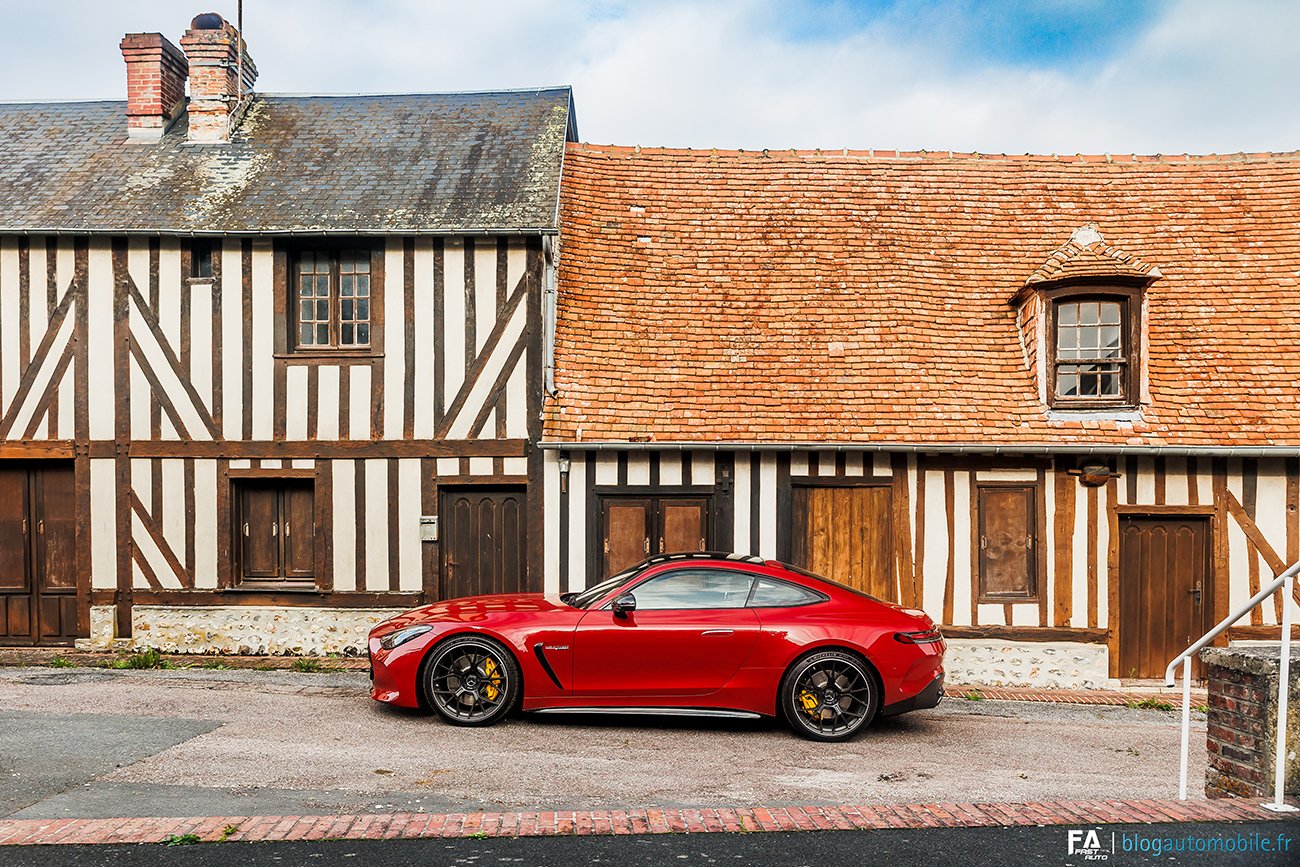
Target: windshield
x=598, y=591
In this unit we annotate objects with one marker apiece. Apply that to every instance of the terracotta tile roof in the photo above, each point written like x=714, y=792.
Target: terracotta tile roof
x=864, y=297
x=1087, y=254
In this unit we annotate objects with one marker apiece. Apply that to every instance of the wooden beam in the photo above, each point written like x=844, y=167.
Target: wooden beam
x=1027, y=633
x=1063, y=545
x=1255, y=537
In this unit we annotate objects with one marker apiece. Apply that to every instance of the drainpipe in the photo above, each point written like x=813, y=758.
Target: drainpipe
x=550, y=256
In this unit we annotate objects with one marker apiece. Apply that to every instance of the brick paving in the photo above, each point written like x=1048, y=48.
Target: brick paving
x=1115, y=697
x=31, y=832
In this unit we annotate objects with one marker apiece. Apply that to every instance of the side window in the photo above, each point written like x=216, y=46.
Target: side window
x=331, y=299
x=693, y=589
x=770, y=593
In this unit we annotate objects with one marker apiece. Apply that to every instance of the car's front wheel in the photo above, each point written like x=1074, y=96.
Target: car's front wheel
x=471, y=681
x=829, y=696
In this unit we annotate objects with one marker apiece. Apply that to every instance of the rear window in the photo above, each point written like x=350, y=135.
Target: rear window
x=771, y=593
x=822, y=578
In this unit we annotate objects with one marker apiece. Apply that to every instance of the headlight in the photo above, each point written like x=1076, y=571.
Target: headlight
x=401, y=636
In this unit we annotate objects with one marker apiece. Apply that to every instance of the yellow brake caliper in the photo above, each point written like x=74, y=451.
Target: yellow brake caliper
x=493, y=686
x=809, y=702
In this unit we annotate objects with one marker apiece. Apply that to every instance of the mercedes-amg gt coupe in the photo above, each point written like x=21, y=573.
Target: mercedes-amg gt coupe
x=680, y=634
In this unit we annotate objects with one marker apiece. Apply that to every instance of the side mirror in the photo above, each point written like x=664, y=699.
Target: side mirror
x=624, y=604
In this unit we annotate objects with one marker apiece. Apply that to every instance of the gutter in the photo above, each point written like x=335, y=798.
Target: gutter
x=933, y=449
x=279, y=233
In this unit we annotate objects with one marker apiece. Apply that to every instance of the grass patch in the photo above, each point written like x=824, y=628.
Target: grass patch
x=226, y=832
x=1151, y=703
x=214, y=664
x=181, y=840
x=310, y=666
x=973, y=695
x=60, y=662
x=1201, y=708
x=148, y=658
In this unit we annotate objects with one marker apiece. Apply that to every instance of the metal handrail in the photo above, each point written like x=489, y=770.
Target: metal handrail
x=1286, y=580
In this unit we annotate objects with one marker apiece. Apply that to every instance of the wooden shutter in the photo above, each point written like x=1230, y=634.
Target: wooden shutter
x=13, y=529
x=1007, y=560
x=57, y=529
x=298, y=532
x=260, y=545
x=627, y=533
x=683, y=525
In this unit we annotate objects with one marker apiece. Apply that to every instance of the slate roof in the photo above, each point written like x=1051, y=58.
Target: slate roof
x=435, y=163
x=864, y=297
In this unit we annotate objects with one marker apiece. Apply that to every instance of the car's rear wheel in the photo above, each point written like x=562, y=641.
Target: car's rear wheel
x=471, y=681
x=829, y=696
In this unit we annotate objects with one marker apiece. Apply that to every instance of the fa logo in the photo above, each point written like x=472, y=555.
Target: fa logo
x=1087, y=844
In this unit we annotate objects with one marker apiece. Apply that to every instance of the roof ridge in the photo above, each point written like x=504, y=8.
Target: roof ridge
x=918, y=155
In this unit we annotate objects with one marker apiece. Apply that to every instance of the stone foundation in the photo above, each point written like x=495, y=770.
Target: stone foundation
x=238, y=629
x=1242, y=721
x=1044, y=664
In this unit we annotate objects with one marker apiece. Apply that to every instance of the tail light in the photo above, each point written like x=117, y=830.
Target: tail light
x=929, y=636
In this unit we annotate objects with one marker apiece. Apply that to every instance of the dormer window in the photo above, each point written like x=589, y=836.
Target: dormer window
x=1094, y=342
x=1080, y=322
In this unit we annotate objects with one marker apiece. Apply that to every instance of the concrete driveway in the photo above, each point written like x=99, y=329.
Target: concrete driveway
x=89, y=742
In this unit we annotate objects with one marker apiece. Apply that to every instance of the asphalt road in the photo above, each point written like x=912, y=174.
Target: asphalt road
x=95, y=743
x=968, y=847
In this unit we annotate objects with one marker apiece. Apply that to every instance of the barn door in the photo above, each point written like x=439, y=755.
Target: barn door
x=38, y=576
x=1165, y=597
x=846, y=534
x=485, y=541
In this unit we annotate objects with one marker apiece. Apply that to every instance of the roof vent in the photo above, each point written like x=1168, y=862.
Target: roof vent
x=207, y=21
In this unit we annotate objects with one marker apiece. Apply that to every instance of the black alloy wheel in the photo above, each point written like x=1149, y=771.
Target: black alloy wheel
x=471, y=681
x=829, y=696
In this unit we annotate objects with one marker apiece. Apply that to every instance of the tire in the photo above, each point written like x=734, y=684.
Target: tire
x=845, y=691
x=470, y=680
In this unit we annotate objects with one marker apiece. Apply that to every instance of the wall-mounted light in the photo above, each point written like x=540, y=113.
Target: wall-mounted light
x=1094, y=474
x=565, y=464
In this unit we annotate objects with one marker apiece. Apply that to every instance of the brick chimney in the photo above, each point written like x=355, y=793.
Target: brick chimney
x=155, y=84
x=213, y=45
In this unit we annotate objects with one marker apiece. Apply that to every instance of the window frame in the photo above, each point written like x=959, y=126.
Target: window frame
x=1130, y=301
x=289, y=260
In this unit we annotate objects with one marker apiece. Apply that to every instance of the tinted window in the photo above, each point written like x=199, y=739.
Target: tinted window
x=822, y=578
x=770, y=593
x=694, y=589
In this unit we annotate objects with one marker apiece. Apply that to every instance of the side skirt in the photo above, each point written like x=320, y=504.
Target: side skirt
x=654, y=711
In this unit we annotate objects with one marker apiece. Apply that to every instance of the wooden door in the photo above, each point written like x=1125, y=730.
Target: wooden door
x=1008, y=559
x=38, y=575
x=1165, y=592
x=683, y=525
x=846, y=534
x=485, y=541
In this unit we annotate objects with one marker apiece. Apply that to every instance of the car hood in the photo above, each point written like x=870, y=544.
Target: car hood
x=480, y=609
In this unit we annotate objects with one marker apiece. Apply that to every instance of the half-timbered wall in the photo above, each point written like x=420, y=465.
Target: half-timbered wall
x=166, y=388
x=1253, y=504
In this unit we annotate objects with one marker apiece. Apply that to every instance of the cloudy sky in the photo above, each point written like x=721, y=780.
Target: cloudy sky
x=1058, y=76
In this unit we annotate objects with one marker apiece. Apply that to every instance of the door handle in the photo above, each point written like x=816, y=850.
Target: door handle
x=718, y=632
x=1196, y=591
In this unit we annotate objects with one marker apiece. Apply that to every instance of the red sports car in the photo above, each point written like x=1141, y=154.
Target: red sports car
x=682, y=634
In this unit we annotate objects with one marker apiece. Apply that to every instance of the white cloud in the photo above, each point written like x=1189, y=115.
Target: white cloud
x=1201, y=76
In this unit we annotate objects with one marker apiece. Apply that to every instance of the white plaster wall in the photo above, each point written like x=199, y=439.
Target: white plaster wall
x=250, y=629
x=1046, y=664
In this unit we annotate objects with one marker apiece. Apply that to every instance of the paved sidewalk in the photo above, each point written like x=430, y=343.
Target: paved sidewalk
x=29, y=832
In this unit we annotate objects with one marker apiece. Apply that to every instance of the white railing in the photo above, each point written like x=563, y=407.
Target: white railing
x=1287, y=581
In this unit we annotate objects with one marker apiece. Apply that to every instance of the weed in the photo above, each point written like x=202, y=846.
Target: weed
x=215, y=664
x=150, y=657
x=1202, y=708
x=973, y=696
x=182, y=840
x=478, y=835
x=305, y=664
x=226, y=832
x=1151, y=703
x=60, y=662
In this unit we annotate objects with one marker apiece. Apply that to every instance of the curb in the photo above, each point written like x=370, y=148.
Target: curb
x=211, y=829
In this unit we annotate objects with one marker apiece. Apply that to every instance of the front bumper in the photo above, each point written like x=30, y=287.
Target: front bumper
x=394, y=674
x=926, y=698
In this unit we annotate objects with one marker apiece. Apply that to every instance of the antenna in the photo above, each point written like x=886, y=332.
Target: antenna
x=239, y=74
